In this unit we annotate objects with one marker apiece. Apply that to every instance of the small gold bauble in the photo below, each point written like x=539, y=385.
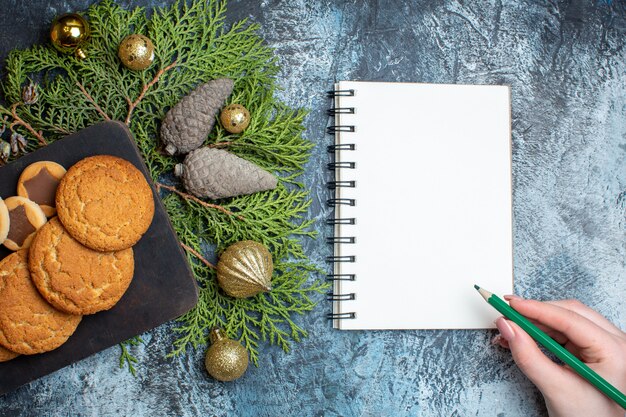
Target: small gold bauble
x=235, y=118
x=136, y=52
x=68, y=33
x=226, y=359
x=245, y=269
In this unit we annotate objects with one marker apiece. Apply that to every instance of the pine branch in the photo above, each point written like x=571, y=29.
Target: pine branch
x=197, y=200
x=146, y=87
x=17, y=120
x=197, y=255
x=126, y=358
x=192, y=45
x=88, y=96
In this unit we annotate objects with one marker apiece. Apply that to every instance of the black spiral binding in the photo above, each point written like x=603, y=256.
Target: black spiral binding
x=340, y=239
x=331, y=130
x=340, y=93
x=333, y=221
x=335, y=165
x=341, y=147
x=331, y=185
x=333, y=202
x=340, y=110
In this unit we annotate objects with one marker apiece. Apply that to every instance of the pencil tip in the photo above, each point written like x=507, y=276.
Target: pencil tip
x=477, y=287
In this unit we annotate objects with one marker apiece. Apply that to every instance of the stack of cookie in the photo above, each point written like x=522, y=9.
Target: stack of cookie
x=78, y=263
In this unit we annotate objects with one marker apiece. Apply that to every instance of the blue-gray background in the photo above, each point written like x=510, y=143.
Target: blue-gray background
x=565, y=62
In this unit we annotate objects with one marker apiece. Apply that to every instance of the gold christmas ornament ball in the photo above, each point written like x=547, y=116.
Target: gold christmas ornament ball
x=235, y=118
x=68, y=33
x=136, y=52
x=245, y=269
x=226, y=359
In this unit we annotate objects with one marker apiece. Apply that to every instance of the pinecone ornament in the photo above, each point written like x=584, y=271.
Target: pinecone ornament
x=215, y=173
x=188, y=123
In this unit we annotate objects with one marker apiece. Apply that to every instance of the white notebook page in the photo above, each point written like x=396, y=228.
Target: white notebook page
x=433, y=204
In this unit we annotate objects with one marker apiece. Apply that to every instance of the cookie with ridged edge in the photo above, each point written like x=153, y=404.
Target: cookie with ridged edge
x=74, y=278
x=25, y=218
x=38, y=182
x=4, y=221
x=105, y=203
x=7, y=355
x=28, y=324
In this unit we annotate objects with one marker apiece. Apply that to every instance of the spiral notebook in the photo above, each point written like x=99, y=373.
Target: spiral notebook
x=422, y=204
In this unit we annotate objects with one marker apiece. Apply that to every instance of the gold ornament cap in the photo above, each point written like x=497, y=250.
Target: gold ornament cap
x=245, y=269
x=235, y=118
x=226, y=359
x=136, y=52
x=68, y=33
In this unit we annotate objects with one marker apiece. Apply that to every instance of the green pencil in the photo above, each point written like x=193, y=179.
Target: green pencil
x=550, y=344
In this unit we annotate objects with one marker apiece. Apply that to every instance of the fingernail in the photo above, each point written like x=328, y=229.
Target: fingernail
x=506, y=331
x=500, y=342
x=509, y=297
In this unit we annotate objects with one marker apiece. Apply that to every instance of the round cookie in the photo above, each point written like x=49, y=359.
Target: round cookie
x=105, y=203
x=25, y=217
x=4, y=221
x=74, y=278
x=38, y=182
x=28, y=324
x=7, y=355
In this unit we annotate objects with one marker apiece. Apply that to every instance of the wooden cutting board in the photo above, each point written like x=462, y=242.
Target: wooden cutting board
x=162, y=289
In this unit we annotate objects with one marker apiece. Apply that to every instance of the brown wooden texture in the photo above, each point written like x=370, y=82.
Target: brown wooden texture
x=163, y=287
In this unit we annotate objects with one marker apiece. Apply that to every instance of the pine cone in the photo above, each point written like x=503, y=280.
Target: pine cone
x=188, y=123
x=215, y=173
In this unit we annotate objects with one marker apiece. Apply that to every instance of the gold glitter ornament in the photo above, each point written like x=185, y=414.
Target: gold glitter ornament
x=235, y=118
x=226, y=359
x=245, y=269
x=136, y=52
x=68, y=33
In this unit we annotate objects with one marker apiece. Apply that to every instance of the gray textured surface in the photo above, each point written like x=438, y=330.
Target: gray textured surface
x=566, y=64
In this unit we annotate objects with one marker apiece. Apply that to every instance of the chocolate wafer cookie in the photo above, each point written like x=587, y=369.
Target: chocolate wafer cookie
x=38, y=182
x=4, y=221
x=25, y=217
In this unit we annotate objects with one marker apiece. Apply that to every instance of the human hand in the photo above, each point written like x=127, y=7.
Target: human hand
x=586, y=334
